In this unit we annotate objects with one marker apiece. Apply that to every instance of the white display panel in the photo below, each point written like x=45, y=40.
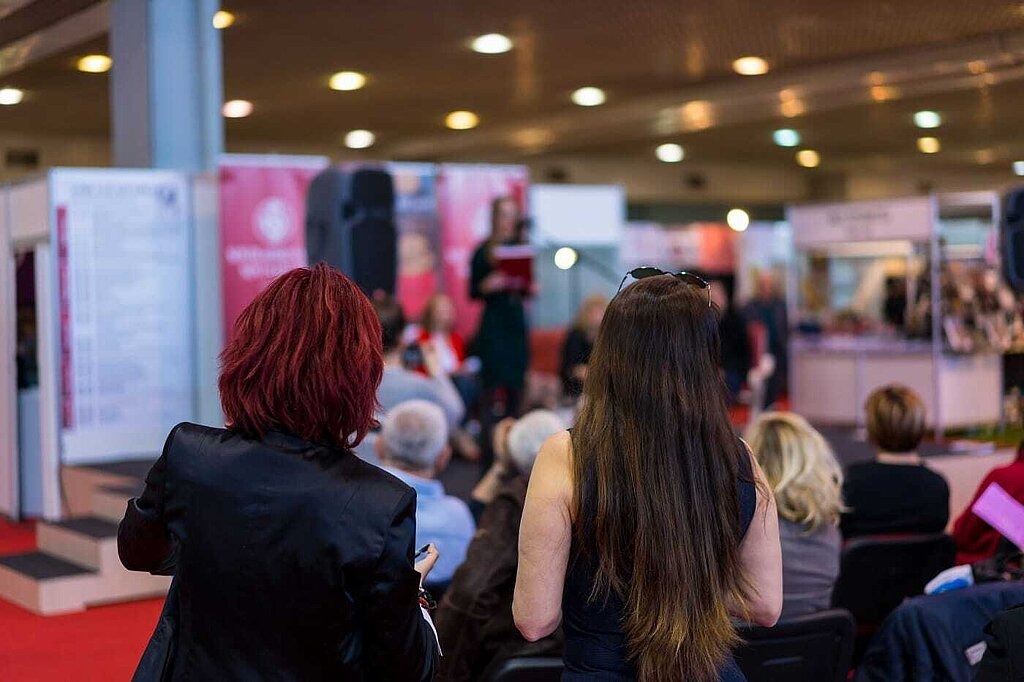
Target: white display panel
x=123, y=282
x=9, y=503
x=822, y=225
x=578, y=215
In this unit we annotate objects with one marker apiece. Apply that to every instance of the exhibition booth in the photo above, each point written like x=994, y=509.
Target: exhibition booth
x=902, y=291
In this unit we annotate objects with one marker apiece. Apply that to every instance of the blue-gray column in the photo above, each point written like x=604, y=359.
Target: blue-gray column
x=166, y=86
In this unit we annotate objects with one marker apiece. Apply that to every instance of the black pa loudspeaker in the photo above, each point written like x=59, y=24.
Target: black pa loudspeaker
x=350, y=225
x=1011, y=237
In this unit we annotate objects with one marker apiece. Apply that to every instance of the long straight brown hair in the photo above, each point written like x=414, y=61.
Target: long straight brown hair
x=656, y=464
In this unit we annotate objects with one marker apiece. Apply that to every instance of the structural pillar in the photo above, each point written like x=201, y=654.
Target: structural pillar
x=165, y=99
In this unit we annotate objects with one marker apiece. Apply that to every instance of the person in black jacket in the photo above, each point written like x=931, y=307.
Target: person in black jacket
x=736, y=353
x=292, y=558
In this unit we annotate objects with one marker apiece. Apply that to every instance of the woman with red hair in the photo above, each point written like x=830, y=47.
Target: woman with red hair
x=292, y=558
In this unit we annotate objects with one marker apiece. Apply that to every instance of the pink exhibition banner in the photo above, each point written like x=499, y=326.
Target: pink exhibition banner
x=464, y=196
x=262, y=223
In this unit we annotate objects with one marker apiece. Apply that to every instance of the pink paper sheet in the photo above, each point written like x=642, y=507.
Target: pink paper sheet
x=997, y=508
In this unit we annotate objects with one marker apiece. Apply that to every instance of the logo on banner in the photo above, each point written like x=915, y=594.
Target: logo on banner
x=273, y=221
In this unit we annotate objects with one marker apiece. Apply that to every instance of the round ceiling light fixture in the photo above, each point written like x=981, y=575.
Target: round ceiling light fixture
x=222, y=19
x=670, y=152
x=1018, y=167
x=588, y=96
x=750, y=66
x=95, y=63
x=11, y=96
x=808, y=158
x=929, y=145
x=359, y=139
x=346, y=81
x=461, y=120
x=786, y=137
x=236, y=108
x=491, y=43
x=927, y=119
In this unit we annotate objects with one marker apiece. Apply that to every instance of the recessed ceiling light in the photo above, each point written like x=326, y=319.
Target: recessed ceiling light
x=928, y=145
x=750, y=66
x=236, y=108
x=359, y=139
x=786, y=137
x=670, y=152
x=808, y=158
x=347, y=80
x=588, y=96
x=9, y=96
x=737, y=219
x=491, y=43
x=1018, y=167
x=222, y=19
x=461, y=120
x=884, y=93
x=985, y=156
x=927, y=119
x=95, y=63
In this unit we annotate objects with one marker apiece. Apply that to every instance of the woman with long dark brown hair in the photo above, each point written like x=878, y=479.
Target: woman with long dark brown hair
x=649, y=527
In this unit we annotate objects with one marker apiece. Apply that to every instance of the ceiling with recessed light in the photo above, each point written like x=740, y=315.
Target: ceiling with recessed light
x=846, y=78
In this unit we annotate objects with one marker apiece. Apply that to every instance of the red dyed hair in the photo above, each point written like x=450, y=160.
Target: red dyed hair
x=305, y=359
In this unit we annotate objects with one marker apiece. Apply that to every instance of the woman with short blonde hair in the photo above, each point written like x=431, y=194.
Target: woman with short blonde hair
x=806, y=481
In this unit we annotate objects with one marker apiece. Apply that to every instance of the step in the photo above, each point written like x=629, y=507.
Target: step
x=110, y=502
x=88, y=541
x=46, y=584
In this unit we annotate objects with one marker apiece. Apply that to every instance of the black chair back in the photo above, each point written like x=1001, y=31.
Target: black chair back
x=877, y=573
x=817, y=647
x=529, y=669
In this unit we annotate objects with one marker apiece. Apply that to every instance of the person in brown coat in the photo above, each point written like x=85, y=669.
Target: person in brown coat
x=474, y=619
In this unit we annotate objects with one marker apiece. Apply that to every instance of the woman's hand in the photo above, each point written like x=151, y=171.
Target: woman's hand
x=424, y=565
x=494, y=282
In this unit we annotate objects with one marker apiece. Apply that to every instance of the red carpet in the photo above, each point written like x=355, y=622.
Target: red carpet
x=102, y=644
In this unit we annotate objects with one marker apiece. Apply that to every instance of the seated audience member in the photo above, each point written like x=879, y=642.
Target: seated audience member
x=401, y=383
x=578, y=344
x=895, y=493
x=437, y=330
x=806, y=479
x=292, y=559
x=413, y=446
x=474, y=620
x=975, y=539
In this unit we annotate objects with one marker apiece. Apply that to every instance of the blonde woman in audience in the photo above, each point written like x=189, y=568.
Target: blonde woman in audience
x=806, y=480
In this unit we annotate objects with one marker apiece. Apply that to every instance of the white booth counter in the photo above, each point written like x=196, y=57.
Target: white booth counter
x=832, y=376
x=858, y=250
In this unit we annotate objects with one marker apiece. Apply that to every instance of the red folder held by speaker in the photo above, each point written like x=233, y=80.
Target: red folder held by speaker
x=516, y=263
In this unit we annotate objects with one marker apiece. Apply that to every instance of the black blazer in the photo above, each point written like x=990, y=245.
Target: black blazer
x=292, y=561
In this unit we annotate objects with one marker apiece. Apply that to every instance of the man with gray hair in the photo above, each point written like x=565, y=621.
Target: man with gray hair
x=413, y=447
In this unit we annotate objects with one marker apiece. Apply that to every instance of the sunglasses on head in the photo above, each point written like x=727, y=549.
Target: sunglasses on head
x=646, y=271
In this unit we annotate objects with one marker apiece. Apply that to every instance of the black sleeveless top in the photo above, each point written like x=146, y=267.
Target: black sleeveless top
x=595, y=647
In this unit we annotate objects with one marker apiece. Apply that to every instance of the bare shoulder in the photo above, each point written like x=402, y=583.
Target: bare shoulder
x=556, y=453
x=552, y=471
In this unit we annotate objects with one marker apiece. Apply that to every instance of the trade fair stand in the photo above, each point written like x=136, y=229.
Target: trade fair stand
x=901, y=291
